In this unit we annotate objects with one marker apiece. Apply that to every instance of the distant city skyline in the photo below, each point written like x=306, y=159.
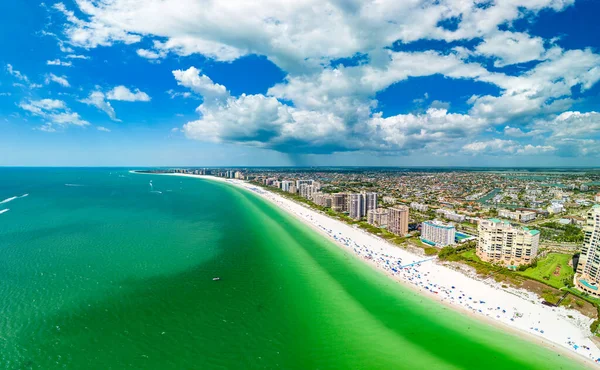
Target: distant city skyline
x=303, y=83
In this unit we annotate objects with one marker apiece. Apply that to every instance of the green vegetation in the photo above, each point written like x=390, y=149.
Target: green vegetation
x=561, y=233
x=431, y=251
x=554, y=270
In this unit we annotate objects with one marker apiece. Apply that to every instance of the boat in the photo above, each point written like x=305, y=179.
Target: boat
x=216, y=278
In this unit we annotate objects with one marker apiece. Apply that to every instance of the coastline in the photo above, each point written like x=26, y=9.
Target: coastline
x=330, y=228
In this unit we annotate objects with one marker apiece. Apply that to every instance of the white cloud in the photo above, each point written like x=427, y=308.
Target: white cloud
x=76, y=56
x=18, y=75
x=510, y=147
x=55, y=113
x=103, y=129
x=571, y=125
x=61, y=80
x=324, y=108
x=58, y=62
x=97, y=99
x=294, y=35
x=124, y=94
x=511, y=48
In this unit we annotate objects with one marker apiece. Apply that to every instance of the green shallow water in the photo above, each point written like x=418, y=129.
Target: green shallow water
x=109, y=275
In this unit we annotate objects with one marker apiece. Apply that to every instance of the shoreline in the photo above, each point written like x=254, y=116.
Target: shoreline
x=344, y=235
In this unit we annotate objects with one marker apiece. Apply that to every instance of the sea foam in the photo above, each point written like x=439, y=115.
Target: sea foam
x=4, y=210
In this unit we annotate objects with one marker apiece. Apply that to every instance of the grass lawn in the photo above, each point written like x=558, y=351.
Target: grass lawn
x=548, y=267
x=470, y=255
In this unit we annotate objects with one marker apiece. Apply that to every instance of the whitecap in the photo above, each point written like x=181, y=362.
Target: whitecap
x=73, y=185
x=8, y=200
x=4, y=210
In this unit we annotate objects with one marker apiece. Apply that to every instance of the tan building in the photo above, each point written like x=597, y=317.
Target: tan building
x=378, y=217
x=398, y=220
x=340, y=202
x=501, y=242
x=587, y=275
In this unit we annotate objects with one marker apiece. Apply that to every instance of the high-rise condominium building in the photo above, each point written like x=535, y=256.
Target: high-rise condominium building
x=378, y=217
x=355, y=206
x=285, y=185
x=587, y=276
x=369, y=202
x=340, y=202
x=501, y=242
x=306, y=191
x=301, y=182
x=398, y=220
x=437, y=233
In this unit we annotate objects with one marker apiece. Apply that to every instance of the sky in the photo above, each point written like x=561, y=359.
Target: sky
x=306, y=82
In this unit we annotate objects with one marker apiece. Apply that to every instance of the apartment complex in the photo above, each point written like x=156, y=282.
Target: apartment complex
x=398, y=220
x=501, y=242
x=588, y=270
x=340, y=202
x=378, y=217
x=518, y=215
x=419, y=207
x=359, y=204
x=438, y=233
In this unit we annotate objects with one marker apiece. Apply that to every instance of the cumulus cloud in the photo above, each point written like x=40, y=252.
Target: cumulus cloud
x=98, y=100
x=54, y=112
x=294, y=34
x=124, y=94
x=61, y=80
x=510, y=147
x=103, y=129
x=324, y=106
x=511, y=48
x=58, y=62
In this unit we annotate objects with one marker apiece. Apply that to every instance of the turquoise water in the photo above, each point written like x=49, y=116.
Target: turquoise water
x=100, y=270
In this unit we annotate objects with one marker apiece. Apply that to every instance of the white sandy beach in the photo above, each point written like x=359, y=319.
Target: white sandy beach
x=509, y=308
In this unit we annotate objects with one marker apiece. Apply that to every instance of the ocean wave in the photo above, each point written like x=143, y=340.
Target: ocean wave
x=8, y=200
x=74, y=185
x=4, y=210
x=156, y=192
x=13, y=198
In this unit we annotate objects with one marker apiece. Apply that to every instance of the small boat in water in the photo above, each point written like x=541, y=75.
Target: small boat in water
x=216, y=279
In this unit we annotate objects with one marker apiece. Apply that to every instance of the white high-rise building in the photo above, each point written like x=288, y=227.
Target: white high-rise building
x=285, y=185
x=587, y=275
x=437, y=233
x=355, y=206
x=500, y=242
x=369, y=202
x=301, y=182
x=306, y=191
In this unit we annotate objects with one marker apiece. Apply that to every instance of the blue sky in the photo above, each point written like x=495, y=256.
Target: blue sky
x=237, y=83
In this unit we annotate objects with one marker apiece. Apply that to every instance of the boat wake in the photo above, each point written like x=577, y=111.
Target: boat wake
x=13, y=198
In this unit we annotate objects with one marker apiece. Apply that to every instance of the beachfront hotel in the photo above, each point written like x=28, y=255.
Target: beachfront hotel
x=501, y=242
x=378, y=217
x=398, y=220
x=437, y=233
x=588, y=269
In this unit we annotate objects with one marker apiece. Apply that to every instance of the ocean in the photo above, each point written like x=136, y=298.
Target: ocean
x=104, y=269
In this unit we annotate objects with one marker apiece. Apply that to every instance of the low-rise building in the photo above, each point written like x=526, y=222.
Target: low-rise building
x=419, y=207
x=518, y=215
